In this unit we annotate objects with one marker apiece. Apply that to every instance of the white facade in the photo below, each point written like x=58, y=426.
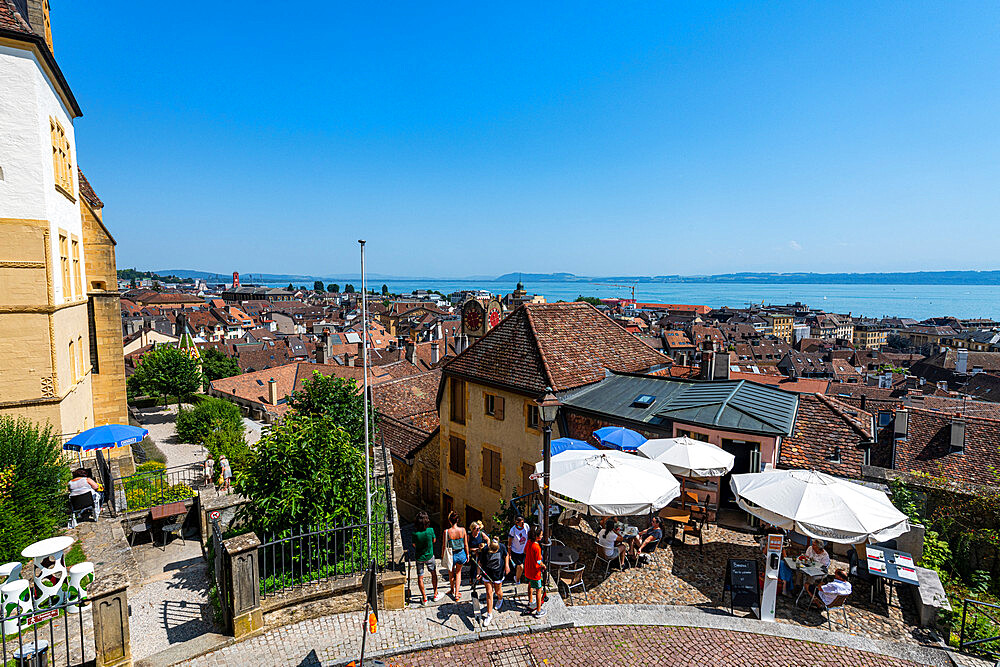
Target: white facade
x=28, y=189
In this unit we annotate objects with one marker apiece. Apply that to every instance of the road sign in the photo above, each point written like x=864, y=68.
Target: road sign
x=536, y=475
x=214, y=515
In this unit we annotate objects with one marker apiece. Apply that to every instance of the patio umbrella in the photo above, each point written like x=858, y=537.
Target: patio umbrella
x=688, y=457
x=560, y=445
x=819, y=505
x=619, y=437
x=609, y=483
x=105, y=437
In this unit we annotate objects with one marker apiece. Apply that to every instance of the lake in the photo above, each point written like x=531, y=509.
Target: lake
x=916, y=301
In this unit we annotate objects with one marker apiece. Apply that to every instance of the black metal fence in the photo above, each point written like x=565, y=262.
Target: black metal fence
x=222, y=571
x=156, y=487
x=50, y=636
x=980, y=628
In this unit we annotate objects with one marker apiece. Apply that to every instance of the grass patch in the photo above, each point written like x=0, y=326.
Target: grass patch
x=75, y=554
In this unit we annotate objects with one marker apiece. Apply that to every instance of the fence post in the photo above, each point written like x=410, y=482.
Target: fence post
x=109, y=604
x=393, y=589
x=244, y=574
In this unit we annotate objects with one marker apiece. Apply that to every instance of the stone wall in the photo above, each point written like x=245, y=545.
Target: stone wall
x=417, y=482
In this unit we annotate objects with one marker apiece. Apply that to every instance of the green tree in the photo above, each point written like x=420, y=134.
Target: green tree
x=132, y=284
x=349, y=288
x=897, y=342
x=290, y=288
x=216, y=365
x=165, y=371
x=157, y=287
x=33, y=481
x=385, y=289
x=194, y=425
x=305, y=472
x=592, y=300
x=339, y=398
x=317, y=285
x=333, y=287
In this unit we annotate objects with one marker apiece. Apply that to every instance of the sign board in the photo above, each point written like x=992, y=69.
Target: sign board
x=214, y=515
x=741, y=582
x=775, y=542
x=535, y=475
x=44, y=616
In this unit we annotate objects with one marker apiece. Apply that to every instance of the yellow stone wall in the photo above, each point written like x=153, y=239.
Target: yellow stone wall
x=517, y=444
x=110, y=401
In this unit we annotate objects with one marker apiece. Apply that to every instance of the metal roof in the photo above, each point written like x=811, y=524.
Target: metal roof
x=739, y=405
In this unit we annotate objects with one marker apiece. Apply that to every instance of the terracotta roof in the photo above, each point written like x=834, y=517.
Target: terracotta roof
x=10, y=19
x=403, y=439
x=87, y=192
x=562, y=345
x=797, y=385
x=408, y=396
x=927, y=447
x=821, y=424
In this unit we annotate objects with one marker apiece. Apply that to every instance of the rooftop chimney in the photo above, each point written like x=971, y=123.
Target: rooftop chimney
x=957, y=436
x=435, y=352
x=962, y=361
x=272, y=392
x=411, y=351
x=707, y=371
x=438, y=331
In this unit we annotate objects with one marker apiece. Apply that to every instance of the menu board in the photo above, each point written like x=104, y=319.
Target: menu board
x=741, y=582
x=906, y=572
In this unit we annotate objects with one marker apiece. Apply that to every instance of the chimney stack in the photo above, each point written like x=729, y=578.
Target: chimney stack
x=438, y=331
x=435, y=352
x=962, y=361
x=272, y=392
x=707, y=364
x=411, y=351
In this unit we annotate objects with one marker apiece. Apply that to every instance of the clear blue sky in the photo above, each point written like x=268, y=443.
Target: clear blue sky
x=639, y=138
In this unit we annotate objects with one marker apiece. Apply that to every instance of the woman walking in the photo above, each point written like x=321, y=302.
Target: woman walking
x=534, y=568
x=456, y=539
x=495, y=565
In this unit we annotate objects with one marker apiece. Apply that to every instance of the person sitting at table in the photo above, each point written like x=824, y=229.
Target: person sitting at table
x=838, y=586
x=818, y=553
x=81, y=484
x=612, y=541
x=650, y=536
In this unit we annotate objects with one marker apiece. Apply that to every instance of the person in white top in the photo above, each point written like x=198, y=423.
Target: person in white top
x=818, y=553
x=81, y=484
x=611, y=542
x=517, y=540
x=839, y=586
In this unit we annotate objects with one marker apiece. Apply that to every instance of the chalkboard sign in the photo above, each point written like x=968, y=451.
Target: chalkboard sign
x=742, y=583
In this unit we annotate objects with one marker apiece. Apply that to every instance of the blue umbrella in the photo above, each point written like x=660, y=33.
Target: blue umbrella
x=106, y=437
x=560, y=445
x=619, y=437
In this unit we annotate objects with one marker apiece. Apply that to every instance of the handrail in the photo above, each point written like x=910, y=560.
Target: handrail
x=978, y=607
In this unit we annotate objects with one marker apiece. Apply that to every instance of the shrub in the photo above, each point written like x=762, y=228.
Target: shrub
x=33, y=489
x=195, y=424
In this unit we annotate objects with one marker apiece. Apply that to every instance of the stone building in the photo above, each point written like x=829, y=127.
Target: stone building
x=60, y=333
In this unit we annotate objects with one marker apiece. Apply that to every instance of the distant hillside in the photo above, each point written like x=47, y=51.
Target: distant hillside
x=901, y=278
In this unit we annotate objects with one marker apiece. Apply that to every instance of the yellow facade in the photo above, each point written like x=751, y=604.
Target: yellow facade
x=518, y=445
x=782, y=326
x=869, y=338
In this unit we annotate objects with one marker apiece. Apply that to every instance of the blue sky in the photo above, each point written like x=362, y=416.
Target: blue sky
x=640, y=138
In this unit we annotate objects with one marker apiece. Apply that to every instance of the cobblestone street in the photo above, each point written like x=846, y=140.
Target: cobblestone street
x=646, y=646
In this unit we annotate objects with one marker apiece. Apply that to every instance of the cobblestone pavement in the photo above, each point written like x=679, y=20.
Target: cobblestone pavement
x=336, y=638
x=620, y=645
x=689, y=575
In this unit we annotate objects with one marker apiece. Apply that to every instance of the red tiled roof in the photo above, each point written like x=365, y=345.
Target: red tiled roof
x=798, y=385
x=821, y=424
x=87, y=192
x=10, y=19
x=403, y=439
x=561, y=345
x=927, y=447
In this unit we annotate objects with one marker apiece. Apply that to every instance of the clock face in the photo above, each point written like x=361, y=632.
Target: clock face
x=473, y=317
x=494, y=317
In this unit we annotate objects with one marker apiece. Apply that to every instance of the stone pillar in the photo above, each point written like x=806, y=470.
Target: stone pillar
x=110, y=609
x=393, y=590
x=244, y=572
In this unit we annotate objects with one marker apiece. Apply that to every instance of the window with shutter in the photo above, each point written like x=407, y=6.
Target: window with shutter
x=457, y=459
x=458, y=401
x=491, y=469
x=498, y=407
x=527, y=484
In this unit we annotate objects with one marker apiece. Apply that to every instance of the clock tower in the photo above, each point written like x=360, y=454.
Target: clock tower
x=479, y=316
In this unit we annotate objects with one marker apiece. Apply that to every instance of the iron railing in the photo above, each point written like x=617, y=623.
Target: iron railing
x=221, y=569
x=63, y=634
x=156, y=487
x=979, y=619
x=311, y=555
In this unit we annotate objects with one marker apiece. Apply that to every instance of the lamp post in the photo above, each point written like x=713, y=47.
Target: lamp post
x=548, y=408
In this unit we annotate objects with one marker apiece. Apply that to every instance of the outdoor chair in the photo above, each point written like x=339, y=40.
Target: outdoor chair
x=176, y=527
x=82, y=503
x=134, y=528
x=840, y=602
x=858, y=569
x=572, y=578
x=695, y=528
x=607, y=560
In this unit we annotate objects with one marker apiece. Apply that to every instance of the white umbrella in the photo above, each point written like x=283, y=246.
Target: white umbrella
x=819, y=505
x=688, y=457
x=609, y=483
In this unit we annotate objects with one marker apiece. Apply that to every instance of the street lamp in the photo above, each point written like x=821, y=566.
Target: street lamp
x=548, y=408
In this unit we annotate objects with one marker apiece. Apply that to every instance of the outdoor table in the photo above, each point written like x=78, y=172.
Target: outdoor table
x=630, y=531
x=50, y=569
x=169, y=510
x=892, y=566
x=561, y=555
x=677, y=517
x=811, y=572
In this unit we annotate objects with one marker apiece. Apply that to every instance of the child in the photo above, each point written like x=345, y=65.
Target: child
x=534, y=569
x=209, y=470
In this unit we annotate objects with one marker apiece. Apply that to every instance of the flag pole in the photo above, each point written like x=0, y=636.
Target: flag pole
x=364, y=373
